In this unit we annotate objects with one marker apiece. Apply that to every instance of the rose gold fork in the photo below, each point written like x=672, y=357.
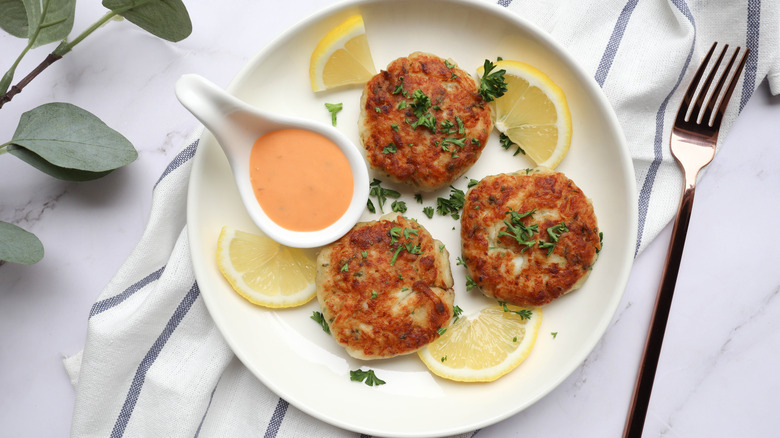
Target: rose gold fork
x=694, y=135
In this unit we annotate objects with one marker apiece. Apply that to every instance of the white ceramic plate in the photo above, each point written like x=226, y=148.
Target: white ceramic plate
x=289, y=352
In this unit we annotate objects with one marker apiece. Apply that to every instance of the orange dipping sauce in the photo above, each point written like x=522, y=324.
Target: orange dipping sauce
x=301, y=179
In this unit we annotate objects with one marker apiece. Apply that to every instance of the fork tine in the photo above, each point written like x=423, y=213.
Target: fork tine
x=720, y=109
x=688, y=97
x=696, y=112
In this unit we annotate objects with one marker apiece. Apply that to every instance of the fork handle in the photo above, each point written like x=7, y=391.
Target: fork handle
x=655, y=336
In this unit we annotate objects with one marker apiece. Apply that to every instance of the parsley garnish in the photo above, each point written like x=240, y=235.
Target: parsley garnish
x=519, y=231
x=554, y=334
x=373, y=294
x=456, y=312
x=394, y=127
x=601, y=242
x=472, y=181
x=441, y=330
x=453, y=205
x=523, y=313
x=470, y=283
x=390, y=149
x=402, y=104
x=367, y=377
x=345, y=267
x=459, y=142
x=381, y=195
x=554, y=232
x=428, y=211
x=493, y=84
x=319, y=318
x=333, y=108
x=447, y=127
x=507, y=143
x=398, y=206
x=418, y=198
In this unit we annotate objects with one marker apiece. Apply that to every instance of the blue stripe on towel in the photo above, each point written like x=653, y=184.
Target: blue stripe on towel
x=647, y=186
x=103, y=305
x=751, y=41
x=614, y=42
x=276, y=418
x=179, y=159
x=140, y=374
x=202, y=419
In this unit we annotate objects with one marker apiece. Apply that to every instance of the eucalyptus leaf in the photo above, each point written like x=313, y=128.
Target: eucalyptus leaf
x=70, y=137
x=166, y=19
x=44, y=166
x=57, y=23
x=14, y=18
x=18, y=245
x=21, y=18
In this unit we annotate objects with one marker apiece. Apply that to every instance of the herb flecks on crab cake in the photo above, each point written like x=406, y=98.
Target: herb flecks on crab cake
x=528, y=237
x=385, y=288
x=423, y=122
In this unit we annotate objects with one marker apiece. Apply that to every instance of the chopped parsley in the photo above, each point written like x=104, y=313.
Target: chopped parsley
x=507, y=144
x=418, y=198
x=554, y=334
x=319, y=318
x=398, y=206
x=519, y=231
x=456, y=312
x=472, y=181
x=554, y=232
x=390, y=149
x=470, y=283
x=523, y=313
x=452, y=205
x=493, y=85
x=381, y=195
x=367, y=377
x=333, y=108
x=428, y=211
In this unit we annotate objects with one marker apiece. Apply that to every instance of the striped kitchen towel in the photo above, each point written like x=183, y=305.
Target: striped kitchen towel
x=154, y=363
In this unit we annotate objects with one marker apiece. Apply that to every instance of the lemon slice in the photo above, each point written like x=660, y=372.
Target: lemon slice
x=533, y=113
x=485, y=347
x=342, y=57
x=263, y=271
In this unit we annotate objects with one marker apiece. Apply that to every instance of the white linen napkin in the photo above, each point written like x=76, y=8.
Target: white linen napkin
x=154, y=363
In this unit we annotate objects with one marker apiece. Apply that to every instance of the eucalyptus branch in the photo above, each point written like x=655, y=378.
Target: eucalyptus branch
x=63, y=48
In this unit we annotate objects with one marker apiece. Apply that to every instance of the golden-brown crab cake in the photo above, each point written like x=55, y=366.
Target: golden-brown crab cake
x=385, y=288
x=422, y=121
x=528, y=237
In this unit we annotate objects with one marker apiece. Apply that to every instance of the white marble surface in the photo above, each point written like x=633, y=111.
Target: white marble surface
x=718, y=371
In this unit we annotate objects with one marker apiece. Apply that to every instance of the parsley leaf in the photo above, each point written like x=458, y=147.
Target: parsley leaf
x=519, y=231
x=367, y=377
x=319, y=318
x=453, y=204
x=333, y=108
x=381, y=194
x=507, y=143
x=493, y=84
x=390, y=149
x=398, y=206
x=523, y=313
x=428, y=211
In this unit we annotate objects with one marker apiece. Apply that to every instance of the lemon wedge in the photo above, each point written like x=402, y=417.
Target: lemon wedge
x=342, y=57
x=484, y=347
x=263, y=271
x=533, y=113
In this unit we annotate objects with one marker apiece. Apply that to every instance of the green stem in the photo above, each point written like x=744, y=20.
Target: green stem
x=66, y=47
x=9, y=75
x=4, y=148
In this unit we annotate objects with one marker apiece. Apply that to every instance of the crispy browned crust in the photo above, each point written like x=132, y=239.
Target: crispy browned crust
x=376, y=309
x=422, y=159
x=492, y=260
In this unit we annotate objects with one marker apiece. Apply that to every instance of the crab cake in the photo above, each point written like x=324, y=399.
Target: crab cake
x=528, y=237
x=422, y=121
x=385, y=288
